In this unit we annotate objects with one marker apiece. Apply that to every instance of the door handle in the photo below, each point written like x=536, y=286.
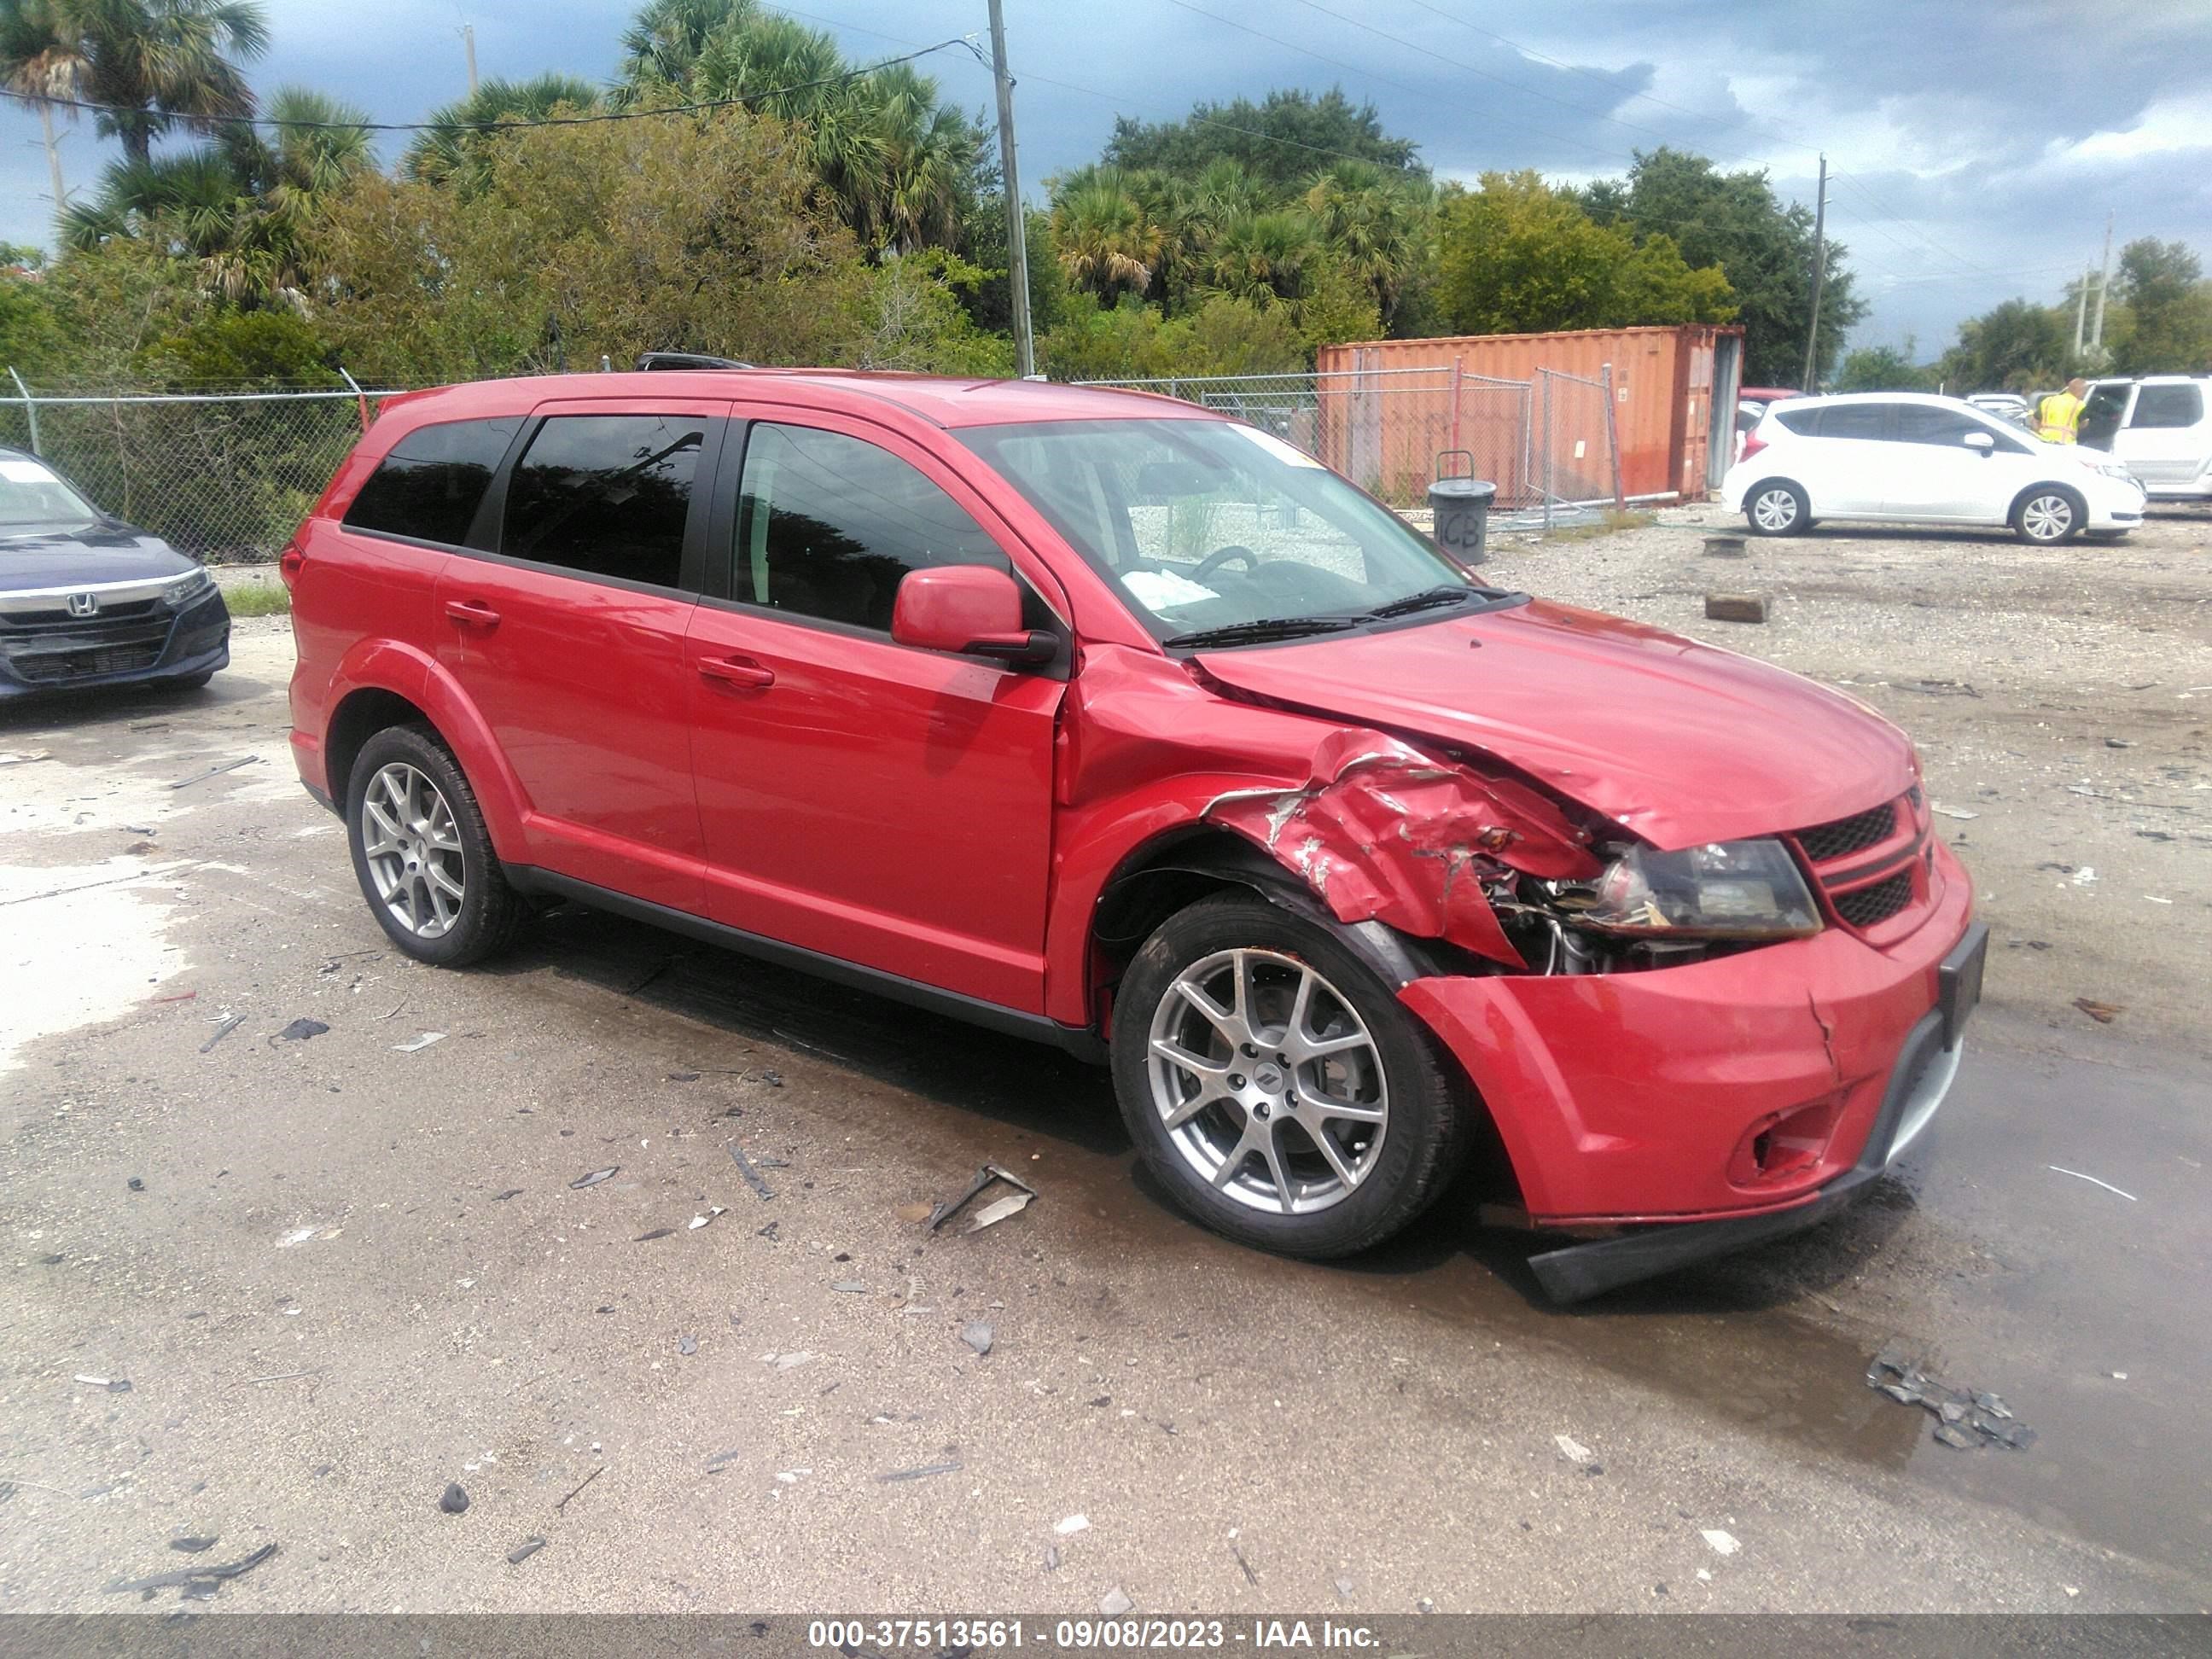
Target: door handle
x=472, y=613
x=736, y=670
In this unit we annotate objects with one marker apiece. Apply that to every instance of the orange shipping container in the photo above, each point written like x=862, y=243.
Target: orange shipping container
x=1673, y=392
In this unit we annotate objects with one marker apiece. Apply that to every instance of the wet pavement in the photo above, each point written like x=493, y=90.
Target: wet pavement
x=350, y=1275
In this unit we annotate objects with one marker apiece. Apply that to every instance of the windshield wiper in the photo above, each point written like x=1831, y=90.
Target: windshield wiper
x=1427, y=600
x=1266, y=629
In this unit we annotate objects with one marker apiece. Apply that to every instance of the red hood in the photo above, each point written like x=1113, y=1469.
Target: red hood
x=1681, y=743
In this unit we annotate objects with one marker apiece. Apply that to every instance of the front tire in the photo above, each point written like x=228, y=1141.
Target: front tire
x=2049, y=516
x=1777, y=508
x=1277, y=1087
x=422, y=855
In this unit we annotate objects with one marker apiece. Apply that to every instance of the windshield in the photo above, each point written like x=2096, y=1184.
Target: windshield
x=1208, y=526
x=32, y=494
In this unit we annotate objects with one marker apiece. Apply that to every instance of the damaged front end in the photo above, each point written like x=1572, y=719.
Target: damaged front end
x=1384, y=831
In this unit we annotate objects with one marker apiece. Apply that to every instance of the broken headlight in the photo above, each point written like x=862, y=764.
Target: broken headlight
x=1723, y=889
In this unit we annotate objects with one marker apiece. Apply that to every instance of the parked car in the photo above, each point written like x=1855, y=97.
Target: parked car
x=1918, y=459
x=1106, y=720
x=2008, y=406
x=86, y=600
x=2160, y=427
x=1748, y=416
x=1767, y=394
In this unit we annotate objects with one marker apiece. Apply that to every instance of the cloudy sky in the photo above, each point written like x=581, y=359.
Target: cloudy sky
x=1975, y=148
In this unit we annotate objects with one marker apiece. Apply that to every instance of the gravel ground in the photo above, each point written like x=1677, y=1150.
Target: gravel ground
x=2060, y=699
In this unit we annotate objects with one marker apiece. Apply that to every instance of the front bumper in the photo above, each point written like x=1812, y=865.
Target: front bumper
x=1627, y=1100
x=136, y=650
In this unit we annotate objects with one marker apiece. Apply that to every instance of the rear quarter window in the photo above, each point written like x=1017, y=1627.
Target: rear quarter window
x=1805, y=422
x=429, y=487
x=2168, y=406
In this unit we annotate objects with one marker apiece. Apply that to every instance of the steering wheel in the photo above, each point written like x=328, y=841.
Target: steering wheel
x=1221, y=556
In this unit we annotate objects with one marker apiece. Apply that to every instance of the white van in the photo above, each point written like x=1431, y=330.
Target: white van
x=2160, y=427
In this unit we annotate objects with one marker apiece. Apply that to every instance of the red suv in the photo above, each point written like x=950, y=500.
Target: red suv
x=1099, y=718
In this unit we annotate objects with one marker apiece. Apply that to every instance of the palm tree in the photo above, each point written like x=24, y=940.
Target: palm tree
x=929, y=150
x=152, y=64
x=662, y=47
x=447, y=151
x=1375, y=221
x=1261, y=258
x=1106, y=244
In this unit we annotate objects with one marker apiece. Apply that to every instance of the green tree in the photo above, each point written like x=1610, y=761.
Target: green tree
x=2014, y=347
x=153, y=64
x=1261, y=259
x=1102, y=240
x=1882, y=369
x=1517, y=256
x=228, y=348
x=450, y=150
x=1135, y=341
x=1378, y=223
x=2162, y=288
x=1733, y=221
x=1279, y=140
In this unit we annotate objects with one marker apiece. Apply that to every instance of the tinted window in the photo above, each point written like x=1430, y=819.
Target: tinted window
x=429, y=487
x=1854, y=420
x=2167, y=405
x=606, y=495
x=2101, y=416
x=829, y=525
x=1802, y=422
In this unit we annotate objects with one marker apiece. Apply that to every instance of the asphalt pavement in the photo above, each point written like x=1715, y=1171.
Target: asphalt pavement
x=341, y=1272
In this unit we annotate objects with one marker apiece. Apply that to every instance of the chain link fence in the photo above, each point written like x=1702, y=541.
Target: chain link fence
x=1549, y=443
x=224, y=476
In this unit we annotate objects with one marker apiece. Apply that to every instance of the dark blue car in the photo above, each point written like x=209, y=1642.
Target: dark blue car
x=86, y=600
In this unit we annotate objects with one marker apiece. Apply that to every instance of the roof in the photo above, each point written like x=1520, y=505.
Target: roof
x=942, y=400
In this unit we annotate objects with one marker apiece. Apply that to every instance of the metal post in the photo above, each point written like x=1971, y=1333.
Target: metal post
x=1548, y=463
x=361, y=396
x=1611, y=436
x=30, y=409
x=53, y=155
x=2081, y=309
x=1018, y=253
x=2104, y=282
x=1820, y=269
x=1458, y=374
x=469, y=41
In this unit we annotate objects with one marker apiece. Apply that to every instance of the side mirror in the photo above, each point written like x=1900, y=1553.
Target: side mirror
x=1980, y=442
x=971, y=609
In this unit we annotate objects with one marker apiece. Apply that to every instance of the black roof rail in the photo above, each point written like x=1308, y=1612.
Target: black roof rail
x=652, y=360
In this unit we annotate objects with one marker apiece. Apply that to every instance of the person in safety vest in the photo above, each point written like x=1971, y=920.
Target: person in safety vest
x=2058, y=416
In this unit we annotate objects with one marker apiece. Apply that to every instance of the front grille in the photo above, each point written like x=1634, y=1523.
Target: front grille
x=1863, y=907
x=20, y=623
x=90, y=651
x=1852, y=834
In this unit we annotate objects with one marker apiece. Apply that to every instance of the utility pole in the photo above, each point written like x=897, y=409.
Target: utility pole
x=1819, y=269
x=469, y=45
x=53, y=155
x=2080, y=308
x=1018, y=253
x=2104, y=282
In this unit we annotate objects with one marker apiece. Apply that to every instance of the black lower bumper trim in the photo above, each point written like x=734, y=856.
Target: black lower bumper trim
x=1577, y=1271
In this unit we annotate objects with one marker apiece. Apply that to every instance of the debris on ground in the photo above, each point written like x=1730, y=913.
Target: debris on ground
x=754, y=1179
x=915, y=1211
x=984, y=1176
x=197, y=1583
x=1114, y=1603
x=1965, y=1418
x=991, y=1214
x=112, y=1384
x=687, y=1346
x=658, y=1232
x=1735, y=607
x=581, y=1485
x=770, y=1232
x=418, y=1044
x=850, y=1287
x=136, y=1184
x=977, y=1335
x=1344, y=1589
x=922, y=1473
x=1724, y=1543
x=2102, y=1012
x=699, y=1221
x=453, y=1500
x=1052, y=1558
x=2093, y=1181
x=299, y=1031
x=1571, y=1449
x=224, y=1030
x=595, y=1178
x=785, y=1362
x=213, y=772
x=193, y=1546
x=1250, y=1577
x=1952, y=812
x=512, y=1192
x=1072, y=1525
x=522, y=1551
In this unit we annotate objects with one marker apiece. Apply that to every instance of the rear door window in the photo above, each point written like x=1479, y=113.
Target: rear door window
x=606, y=496
x=2167, y=406
x=829, y=525
x=429, y=487
x=1856, y=421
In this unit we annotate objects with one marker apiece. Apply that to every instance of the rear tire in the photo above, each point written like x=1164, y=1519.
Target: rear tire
x=2049, y=516
x=1775, y=506
x=1314, y=1033
x=421, y=853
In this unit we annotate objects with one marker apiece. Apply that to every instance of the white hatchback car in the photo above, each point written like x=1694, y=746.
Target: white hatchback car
x=1923, y=459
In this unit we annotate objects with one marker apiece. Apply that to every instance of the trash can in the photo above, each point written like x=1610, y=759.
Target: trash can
x=1460, y=506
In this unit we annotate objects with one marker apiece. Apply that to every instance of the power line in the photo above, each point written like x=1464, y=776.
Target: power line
x=743, y=100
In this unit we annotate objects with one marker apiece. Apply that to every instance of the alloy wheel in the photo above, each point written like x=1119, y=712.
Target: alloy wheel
x=1775, y=510
x=1268, y=1083
x=2047, y=518
x=413, y=850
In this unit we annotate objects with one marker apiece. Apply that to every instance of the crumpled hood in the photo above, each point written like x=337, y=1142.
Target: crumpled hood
x=1678, y=742
x=84, y=556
